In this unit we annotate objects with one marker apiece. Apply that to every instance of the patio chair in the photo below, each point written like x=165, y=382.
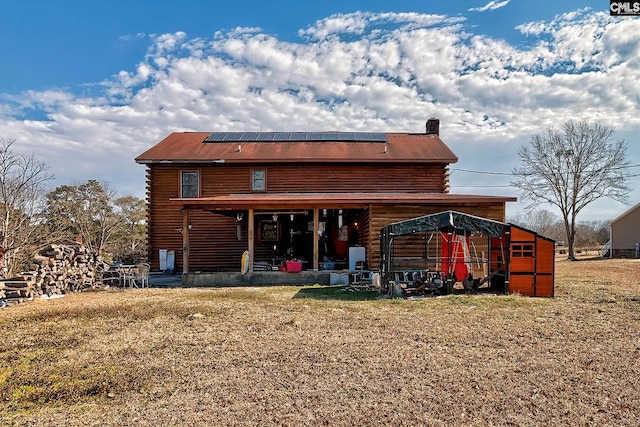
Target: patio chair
x=107, y=276
x=141, y=276
x=128, y=275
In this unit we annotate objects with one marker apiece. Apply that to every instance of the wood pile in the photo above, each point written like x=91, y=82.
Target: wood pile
x=56, y=270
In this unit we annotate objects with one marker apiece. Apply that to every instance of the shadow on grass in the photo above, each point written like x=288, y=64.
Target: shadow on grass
x=340, y=293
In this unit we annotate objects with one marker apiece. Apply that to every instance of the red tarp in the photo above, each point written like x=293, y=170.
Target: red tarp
x=455, y=255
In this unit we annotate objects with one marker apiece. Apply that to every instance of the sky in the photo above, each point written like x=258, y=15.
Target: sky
x=88, y=85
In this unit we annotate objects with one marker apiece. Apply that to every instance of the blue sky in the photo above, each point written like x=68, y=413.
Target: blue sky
x=88, y=85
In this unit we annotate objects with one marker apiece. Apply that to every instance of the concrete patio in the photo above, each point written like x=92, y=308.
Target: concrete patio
x=259, y=278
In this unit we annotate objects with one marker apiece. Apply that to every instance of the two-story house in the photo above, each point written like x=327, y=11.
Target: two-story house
x=309, y=196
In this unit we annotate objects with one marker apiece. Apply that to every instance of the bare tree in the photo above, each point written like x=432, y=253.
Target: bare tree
x=572, y=167
x=22, y=179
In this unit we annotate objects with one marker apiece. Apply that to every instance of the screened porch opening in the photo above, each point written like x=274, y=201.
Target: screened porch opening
x=286, y=238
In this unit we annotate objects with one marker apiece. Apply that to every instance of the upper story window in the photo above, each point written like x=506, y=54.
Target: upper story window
x=189, y=184
x=258, y=180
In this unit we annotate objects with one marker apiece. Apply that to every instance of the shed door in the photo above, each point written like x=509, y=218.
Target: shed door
x=544, y=286
x=545, y=268
x=532, y=264
x=523, y=258
x=522, y=262
x=522, y=284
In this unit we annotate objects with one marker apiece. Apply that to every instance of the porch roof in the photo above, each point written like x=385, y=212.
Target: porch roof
x=332, y=200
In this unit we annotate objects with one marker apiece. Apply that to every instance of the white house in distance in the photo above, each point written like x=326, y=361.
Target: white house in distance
x=624, y=238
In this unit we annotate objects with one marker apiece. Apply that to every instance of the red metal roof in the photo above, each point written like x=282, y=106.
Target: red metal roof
x=331, y=200
x=189, y=147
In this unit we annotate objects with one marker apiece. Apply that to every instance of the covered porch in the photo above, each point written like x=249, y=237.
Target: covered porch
x=323, y=233
x=315, y=230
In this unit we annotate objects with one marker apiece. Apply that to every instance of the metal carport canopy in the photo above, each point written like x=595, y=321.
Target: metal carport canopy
x=450, y=220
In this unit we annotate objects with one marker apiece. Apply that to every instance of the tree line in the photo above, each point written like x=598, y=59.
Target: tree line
x=589, y=235
x=91, y=213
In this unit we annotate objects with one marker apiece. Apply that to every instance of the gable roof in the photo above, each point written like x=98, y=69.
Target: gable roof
x=627, y=212
x=256, y=147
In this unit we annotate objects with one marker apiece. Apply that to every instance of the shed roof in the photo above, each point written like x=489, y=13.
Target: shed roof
x=192, y=147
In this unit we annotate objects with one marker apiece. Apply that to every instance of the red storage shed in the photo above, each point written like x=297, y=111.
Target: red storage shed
x=531, y=263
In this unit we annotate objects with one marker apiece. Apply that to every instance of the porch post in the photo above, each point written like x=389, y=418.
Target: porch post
x=185, y=240
x=316, y=238
x=251, y=238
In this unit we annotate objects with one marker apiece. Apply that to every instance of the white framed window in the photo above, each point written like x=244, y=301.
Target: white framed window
x=258, y=180
x=189, y=184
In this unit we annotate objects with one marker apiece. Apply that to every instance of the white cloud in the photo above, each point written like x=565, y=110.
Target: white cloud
x=492, y=5
x=129, y=37
x=360, y=71
x=353, y=23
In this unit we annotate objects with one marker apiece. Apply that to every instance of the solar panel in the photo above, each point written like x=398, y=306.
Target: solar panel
x=296, y=137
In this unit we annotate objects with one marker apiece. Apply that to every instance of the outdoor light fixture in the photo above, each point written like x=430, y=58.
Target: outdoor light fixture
x=340, y=218
x=291, y=217
x=275, y=217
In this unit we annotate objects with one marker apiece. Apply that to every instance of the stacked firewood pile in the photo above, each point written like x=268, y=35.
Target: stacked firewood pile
x=56, y=270
x=15, y=290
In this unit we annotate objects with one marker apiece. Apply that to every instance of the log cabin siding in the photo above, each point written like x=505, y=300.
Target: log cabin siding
x=214, y=243
x=163, y=216
x=209, y=231
x=222, y=179
x=341, y=177
x=213, y=239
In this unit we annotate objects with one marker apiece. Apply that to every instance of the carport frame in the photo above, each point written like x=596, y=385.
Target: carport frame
x=461, y=223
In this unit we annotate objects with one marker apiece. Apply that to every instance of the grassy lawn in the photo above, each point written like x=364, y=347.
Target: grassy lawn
x=322, y=356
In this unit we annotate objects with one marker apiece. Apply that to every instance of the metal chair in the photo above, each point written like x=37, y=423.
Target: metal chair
x=107, y=276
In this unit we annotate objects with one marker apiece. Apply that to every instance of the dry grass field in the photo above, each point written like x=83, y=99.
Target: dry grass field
x=321, y=356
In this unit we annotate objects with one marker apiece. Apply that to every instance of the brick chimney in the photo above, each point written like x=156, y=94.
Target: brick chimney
x=433, y=126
